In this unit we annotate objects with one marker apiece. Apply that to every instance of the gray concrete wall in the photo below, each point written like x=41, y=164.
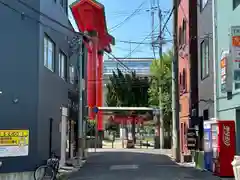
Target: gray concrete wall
x=53, y=91
x=40, y=92
x=205, y=29
x=19, y=77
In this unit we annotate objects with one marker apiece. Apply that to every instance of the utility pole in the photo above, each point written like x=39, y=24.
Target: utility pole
x=157, y=124
x=175, y=89
x=161, y=124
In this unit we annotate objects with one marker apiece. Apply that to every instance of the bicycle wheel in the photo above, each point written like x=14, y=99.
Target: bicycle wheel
x=44, y=173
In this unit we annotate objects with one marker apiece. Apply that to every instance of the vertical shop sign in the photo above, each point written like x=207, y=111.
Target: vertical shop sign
x=226, y=136
x=235, y=52
x=223, y=71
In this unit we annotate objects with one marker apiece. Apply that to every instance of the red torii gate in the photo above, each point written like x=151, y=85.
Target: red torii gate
x=90, y=18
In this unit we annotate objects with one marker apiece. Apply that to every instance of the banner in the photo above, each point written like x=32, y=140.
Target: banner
x=14, y=143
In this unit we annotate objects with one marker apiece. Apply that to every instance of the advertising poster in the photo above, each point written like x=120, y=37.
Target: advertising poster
x=14, y=143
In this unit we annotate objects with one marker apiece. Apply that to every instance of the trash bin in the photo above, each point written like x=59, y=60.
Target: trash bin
x=236, y=167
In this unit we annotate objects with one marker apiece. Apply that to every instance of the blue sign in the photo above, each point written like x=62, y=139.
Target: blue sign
x=95, y=109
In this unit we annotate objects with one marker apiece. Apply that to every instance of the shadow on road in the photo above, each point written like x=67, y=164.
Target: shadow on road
x=136, y=165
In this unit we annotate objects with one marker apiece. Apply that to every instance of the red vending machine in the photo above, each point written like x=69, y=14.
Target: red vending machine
x=223, y=146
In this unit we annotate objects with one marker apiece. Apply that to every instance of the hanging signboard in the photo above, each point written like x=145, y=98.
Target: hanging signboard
x=14, y=143
x=235, y=52
x=223, y=70
x=191, y=139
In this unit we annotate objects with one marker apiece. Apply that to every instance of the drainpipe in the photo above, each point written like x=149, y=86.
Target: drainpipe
x=80, y=107
x=215, y=56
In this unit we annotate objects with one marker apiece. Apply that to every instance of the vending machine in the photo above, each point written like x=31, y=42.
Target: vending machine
x=207, y=146
x=223, y=146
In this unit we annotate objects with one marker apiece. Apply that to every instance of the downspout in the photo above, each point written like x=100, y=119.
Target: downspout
x=214, y=59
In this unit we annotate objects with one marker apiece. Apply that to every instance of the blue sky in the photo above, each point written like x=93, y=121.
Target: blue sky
x=136, y=28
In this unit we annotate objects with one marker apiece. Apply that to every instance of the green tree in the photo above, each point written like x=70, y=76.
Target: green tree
x=162, y=77
x=127, y=90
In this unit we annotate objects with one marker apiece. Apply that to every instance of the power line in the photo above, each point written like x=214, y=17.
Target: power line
x=46, y=16
x=126, y=12
x=154, y=31
x=145, y=39
x=132, y=51
x=133, y=42
x=121, y=63
x=140, y=43
x=127, y=18
x=40, y=22
x=24, y=16
x=166, y=22
x=123, y=49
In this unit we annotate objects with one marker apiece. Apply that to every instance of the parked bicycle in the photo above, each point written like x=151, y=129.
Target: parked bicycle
x=48, y=171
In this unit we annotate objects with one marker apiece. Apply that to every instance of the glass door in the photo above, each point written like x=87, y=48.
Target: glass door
x=207, y=140
x=214, y=137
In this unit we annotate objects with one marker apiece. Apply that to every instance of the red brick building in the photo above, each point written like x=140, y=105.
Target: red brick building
x=188, y=63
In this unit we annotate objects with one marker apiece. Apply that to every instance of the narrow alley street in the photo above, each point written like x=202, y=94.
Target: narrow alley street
x=136, y=164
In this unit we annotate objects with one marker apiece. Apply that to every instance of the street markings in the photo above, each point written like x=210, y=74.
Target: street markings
x=124, y=167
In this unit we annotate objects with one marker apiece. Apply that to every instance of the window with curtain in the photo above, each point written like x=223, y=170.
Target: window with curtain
x=71, y=74
x=49, y=53
x=62, y=65
x=184, y=80
x=204, y=53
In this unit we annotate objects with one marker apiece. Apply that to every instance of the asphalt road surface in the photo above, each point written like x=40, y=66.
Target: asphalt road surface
x=132, y=164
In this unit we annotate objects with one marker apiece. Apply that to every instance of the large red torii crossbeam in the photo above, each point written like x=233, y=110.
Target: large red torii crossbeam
x=90, y=18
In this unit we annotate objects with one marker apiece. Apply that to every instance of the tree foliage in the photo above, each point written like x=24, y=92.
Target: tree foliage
x=162, y=78
x=127, y=90
x=91, y=127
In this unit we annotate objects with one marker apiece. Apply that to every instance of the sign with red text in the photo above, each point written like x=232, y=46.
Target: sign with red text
x=226, y=135
x=235, y=52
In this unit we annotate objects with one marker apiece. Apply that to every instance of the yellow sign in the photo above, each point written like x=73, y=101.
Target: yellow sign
x=14, y=137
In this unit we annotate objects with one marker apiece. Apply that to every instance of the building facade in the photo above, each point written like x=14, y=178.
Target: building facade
x=205, y=60
x=228, y=108
x=37, y=77
x=187, y=45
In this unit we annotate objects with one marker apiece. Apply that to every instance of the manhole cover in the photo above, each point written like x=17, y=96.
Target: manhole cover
x=123, y=167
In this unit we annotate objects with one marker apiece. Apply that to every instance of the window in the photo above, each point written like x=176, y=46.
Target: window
x=203, y=3
x=204, y=48
x=184, y=32
x=235, y=3
x=180, y=36
x=71, y=74
x=184, y=80
x=62, y=3
x=62, y=65
x=205, y=114
x=49, y=53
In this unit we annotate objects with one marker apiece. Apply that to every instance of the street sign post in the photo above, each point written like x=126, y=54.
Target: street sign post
x=95, y=109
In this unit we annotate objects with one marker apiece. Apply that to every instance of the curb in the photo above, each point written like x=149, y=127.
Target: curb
x=66, y=175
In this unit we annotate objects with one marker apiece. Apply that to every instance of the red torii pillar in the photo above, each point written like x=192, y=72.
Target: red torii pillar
x=90, y=18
